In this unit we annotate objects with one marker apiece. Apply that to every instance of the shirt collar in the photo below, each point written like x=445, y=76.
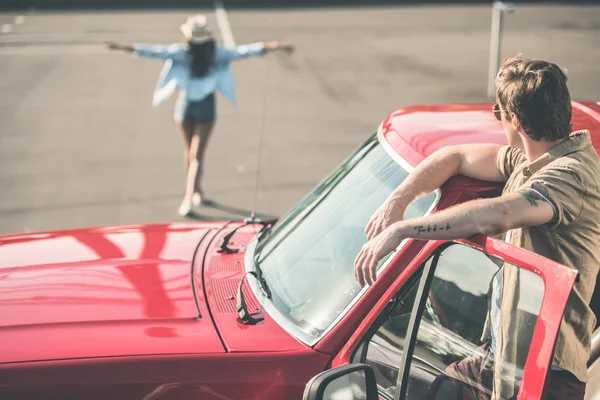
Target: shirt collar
x=576, y=141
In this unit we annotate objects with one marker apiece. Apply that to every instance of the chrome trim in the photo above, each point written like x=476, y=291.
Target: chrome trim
x=283, y=321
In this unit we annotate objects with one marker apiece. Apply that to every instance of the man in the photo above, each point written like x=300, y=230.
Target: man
x=550, y=205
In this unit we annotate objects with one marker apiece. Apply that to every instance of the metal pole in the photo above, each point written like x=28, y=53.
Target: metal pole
x=498, y=10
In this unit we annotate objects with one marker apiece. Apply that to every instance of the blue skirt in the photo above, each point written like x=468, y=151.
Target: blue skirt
x=202, y=111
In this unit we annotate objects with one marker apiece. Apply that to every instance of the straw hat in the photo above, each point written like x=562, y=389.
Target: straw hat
x=195, y=29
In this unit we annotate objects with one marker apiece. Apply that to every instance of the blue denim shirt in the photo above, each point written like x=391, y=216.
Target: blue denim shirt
x=176, y=75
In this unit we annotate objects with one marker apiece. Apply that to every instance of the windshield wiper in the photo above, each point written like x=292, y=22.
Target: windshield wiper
x=262, y=281
x=224, y=246
x=242, y=308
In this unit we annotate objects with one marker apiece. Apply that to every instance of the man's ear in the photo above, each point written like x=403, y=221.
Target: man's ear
x=515, y=122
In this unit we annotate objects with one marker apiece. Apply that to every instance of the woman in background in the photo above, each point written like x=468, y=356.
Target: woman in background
x=196, y=68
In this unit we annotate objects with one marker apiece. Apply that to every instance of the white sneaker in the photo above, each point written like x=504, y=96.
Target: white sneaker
x=185, y=209
x=197, y=200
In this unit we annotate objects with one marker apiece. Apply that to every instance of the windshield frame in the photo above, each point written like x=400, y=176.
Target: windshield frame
x=286, y=323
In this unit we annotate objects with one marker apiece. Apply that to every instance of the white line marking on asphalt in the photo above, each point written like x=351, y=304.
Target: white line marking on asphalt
x=19, y=20
x=223, y=23
x=6, y=28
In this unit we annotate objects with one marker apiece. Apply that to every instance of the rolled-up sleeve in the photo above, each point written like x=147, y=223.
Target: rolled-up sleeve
x=243, y=51
x=564, y=189
x=507, y=161
x=160, y=52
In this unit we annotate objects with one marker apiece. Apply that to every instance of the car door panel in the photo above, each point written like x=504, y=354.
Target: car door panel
x=557, y=283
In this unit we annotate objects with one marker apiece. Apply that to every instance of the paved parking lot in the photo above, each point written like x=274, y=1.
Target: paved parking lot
x=81, y=145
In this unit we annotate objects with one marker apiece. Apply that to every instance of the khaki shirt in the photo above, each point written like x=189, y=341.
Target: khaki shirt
x=567, y=176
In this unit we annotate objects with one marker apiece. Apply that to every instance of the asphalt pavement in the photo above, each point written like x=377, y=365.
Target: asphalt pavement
x=80, y=143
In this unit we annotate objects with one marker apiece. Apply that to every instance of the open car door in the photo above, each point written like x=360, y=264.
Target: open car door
x=445, y=349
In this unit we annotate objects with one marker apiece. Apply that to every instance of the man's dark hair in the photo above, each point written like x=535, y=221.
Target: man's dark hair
x=536, y=92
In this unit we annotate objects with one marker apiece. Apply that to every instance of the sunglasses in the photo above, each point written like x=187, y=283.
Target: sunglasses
x=497, y=112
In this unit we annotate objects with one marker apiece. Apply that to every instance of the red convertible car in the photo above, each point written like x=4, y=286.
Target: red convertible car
x=163, y=312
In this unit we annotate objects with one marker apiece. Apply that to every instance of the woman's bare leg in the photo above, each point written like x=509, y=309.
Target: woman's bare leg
x=187, y=133
x=205, y=131
x=197, y=154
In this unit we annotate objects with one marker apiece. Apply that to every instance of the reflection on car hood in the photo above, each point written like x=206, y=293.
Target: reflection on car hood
x=101, y=292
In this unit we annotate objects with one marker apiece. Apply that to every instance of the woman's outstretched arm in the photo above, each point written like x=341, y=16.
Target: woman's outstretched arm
x=254, y=49
x=275, y=45
x=120, y=47
x=150, y=51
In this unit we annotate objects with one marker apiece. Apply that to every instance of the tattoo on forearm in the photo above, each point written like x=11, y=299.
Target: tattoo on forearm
x=427, y=228
x=530, y=197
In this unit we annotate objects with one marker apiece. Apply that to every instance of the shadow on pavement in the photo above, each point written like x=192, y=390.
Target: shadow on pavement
x=233, y=211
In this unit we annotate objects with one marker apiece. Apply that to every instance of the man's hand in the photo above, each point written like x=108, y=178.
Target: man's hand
x=389, y=212
x=365, y=264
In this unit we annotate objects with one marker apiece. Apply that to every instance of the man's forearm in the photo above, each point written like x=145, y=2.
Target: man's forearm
x=486, y=216
x=429, y=175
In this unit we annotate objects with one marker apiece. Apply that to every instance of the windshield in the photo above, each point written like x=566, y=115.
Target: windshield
x=307, y=258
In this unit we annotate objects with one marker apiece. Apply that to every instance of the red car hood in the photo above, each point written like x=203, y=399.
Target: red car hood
x=103, y=292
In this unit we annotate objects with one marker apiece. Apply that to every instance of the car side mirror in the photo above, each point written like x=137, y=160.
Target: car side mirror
x=349, y=382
